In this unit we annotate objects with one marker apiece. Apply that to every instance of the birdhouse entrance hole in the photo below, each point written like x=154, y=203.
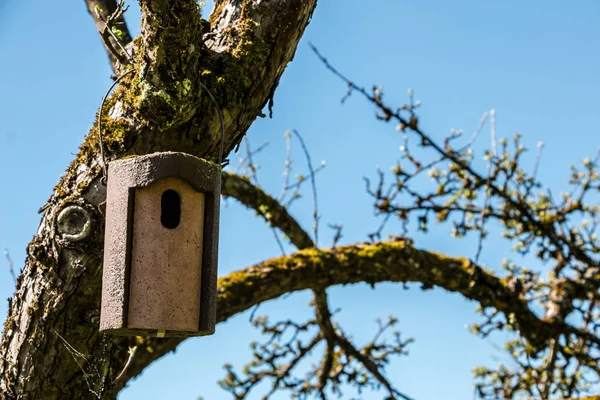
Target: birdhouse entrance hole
x=170, y=209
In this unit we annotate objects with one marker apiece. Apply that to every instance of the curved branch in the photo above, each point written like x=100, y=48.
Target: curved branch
x=370, y=263
x=266, y=206
x=380, y=262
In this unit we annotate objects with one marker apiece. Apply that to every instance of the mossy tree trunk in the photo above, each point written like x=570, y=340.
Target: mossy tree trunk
x=158, y=107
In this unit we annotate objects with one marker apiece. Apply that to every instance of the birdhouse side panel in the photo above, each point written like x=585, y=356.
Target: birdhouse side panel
x=116, y=256
x=166, y=258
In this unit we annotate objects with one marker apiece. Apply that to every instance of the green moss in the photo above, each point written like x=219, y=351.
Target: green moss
x=240, y=70
x=216, y=13
x=165, y=96
x=9, y=324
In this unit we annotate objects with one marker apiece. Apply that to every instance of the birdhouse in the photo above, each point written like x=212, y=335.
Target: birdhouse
x=160, y=247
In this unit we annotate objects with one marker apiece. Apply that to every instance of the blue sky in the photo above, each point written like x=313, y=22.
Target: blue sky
x=536, y=63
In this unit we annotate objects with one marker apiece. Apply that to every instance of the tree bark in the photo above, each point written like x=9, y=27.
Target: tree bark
x=51, y=348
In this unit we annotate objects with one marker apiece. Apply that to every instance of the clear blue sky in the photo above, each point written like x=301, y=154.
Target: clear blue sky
x=535, y=62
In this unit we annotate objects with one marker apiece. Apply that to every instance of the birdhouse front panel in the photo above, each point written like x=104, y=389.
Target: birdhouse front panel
x=161, y=246
x=166, y=258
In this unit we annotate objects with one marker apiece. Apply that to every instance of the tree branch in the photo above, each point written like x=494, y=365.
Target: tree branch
x=369, y=263
x=108, y=7
x=266, y=206
x=370, y=366
x=380, y=262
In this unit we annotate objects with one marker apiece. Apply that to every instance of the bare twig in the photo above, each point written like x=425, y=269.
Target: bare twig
x=288, y=166
x=11, y=264
x=477, y=131
x=110, y=30
x=248, y=162
x=493, y=132
x=98, y=8
x=338, y=234
x=316, y=216
x=370, y=366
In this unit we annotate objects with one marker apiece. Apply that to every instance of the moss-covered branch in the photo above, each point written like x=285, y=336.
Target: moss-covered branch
x=370, y=263
x=168, y=62
x=381, y=262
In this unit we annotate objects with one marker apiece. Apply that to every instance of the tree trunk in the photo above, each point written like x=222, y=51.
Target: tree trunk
x=51, y=347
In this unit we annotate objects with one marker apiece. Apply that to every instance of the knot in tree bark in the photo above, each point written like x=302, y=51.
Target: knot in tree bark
x=74, y=223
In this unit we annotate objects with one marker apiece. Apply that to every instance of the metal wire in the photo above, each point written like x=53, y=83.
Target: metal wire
x=103, y=156
x=220, y=118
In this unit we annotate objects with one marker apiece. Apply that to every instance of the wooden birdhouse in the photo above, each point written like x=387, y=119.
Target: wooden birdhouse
x=160, y=247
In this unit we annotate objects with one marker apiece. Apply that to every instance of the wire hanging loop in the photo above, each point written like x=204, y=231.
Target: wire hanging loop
x=220, y=119
x=102, y=155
